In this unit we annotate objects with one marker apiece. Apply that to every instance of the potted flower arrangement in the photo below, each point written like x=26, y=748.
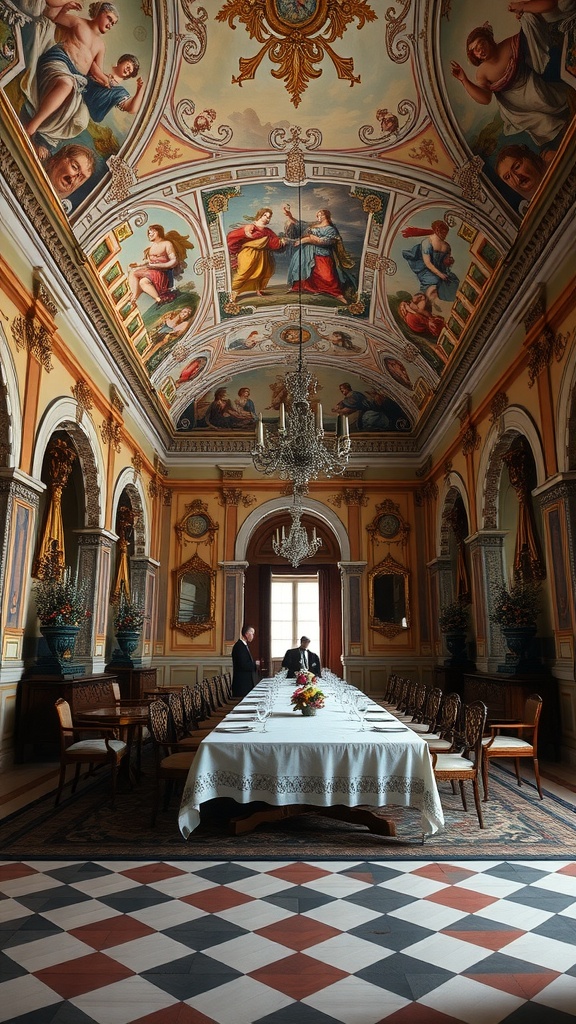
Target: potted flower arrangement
x=516, y=611
x=453, y=622
x=307, y=697
x=128, y=623
x=61, y=606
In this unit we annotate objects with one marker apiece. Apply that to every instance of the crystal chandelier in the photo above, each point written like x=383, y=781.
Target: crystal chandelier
x=299, y=452
x=296, y=546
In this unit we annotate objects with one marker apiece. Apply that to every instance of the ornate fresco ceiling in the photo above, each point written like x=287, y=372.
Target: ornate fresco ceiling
x=240, y=175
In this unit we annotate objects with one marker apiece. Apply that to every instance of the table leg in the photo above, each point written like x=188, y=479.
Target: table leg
x=356, y=815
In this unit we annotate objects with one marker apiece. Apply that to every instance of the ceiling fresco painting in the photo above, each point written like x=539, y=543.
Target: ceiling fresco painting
x=78, y=55
x=243, y=177
x=510, y=82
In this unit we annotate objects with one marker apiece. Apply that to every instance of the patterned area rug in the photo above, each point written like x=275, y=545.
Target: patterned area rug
x=517, y=825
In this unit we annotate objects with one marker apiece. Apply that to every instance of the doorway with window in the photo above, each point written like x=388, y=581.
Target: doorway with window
x=311, y=594
x=294, y=612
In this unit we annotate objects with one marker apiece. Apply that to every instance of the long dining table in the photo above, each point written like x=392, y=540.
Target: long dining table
x=327, y=763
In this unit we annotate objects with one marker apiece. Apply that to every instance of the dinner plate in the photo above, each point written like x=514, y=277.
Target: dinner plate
x=234, y=728
x=390, y=728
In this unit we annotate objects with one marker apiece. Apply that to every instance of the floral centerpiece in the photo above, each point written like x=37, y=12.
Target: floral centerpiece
x=61, y=601
x=307, y=697
x=517, y=606
x=453, y=618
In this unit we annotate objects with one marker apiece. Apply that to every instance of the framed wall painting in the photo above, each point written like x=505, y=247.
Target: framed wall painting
x=477, y=275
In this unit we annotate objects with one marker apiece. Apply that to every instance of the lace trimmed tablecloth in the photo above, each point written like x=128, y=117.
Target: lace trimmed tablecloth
x=321, y=761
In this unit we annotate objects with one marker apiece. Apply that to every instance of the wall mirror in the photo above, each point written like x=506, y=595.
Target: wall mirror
x=389, y=597
x=194, y=597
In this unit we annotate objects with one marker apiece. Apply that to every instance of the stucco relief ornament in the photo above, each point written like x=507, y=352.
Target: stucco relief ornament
x=296, y=36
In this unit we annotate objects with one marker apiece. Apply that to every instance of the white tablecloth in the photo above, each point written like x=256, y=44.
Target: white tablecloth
x=322, y=761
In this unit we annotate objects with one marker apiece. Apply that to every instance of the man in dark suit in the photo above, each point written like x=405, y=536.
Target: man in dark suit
x=244, y=668
x=300, y=657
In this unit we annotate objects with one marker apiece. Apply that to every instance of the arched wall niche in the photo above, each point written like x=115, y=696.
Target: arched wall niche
x=516, y=423
x=61, y=417
x=10, y=411
x=133, y=488
x=566, y=409
x=275, y=506
x=454, y=489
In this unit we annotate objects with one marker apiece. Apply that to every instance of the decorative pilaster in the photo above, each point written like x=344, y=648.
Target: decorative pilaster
x=19, y=500
x=557, y=499
x=144, y=576
x=441, y=592
x=94, y=564
x=351, y=576
x=234, y=575
x=487, y=558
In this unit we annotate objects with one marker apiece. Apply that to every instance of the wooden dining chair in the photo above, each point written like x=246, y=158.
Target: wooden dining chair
x=429, y=717
x=171, y=766
x=414, y=709
x=442, y=738
x=525, y=745
x=465, y=764
x=91, y=745
x=184, y=737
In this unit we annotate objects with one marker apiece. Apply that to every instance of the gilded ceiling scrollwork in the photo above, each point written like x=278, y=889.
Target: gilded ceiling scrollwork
x=391, y=130
x=195, y=44
x=297, y=42
x=397, y=49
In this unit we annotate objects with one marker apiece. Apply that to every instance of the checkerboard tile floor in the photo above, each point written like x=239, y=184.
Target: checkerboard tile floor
x=245, y=942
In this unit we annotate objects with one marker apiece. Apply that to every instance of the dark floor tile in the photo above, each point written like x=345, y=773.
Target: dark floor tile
x=297, y=1013
x=516, y=872
x=298, y=899
x=9, y=969
x=80, y=872
x=558, y=927
x=190, y=976
x=27, y=929
x=381, y=900
x=53, y=899
x=371, y=873
x=391, y=932
x=225, y=873
x=405, y=976
x=533, y=1013
x=57, y=1013
x=542, y=899
x=136, y=898
x=206, y=931
x=500, y=963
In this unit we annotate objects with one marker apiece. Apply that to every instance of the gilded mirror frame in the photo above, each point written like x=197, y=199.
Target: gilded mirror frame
x=388, y=567
x=204, y=620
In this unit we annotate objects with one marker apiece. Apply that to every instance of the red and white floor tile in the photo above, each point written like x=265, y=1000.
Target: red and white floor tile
x=248, y=942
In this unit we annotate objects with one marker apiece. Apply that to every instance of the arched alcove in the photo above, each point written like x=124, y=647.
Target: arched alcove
x=254, y=546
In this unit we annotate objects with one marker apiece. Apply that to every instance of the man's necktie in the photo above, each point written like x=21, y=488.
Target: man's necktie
x=304, y=659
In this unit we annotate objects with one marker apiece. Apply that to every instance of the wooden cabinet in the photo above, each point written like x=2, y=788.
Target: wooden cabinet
x=505, y=697
x=37, y=729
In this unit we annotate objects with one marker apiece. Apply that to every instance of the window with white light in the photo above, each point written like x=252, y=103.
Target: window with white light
x=294, y=613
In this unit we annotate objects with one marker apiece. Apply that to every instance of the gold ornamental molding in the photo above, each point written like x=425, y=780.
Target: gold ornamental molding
x=296, y=38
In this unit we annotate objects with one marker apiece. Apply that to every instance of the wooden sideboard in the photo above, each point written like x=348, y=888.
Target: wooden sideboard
x=134, y=682
x=505, y=696
x=37, y=728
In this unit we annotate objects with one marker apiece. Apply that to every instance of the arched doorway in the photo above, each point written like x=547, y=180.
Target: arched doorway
x=254, y=546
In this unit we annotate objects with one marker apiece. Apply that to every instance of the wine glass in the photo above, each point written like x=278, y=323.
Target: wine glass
x=262, y=713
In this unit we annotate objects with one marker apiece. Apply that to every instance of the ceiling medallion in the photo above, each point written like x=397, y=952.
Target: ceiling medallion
x=296, y=37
